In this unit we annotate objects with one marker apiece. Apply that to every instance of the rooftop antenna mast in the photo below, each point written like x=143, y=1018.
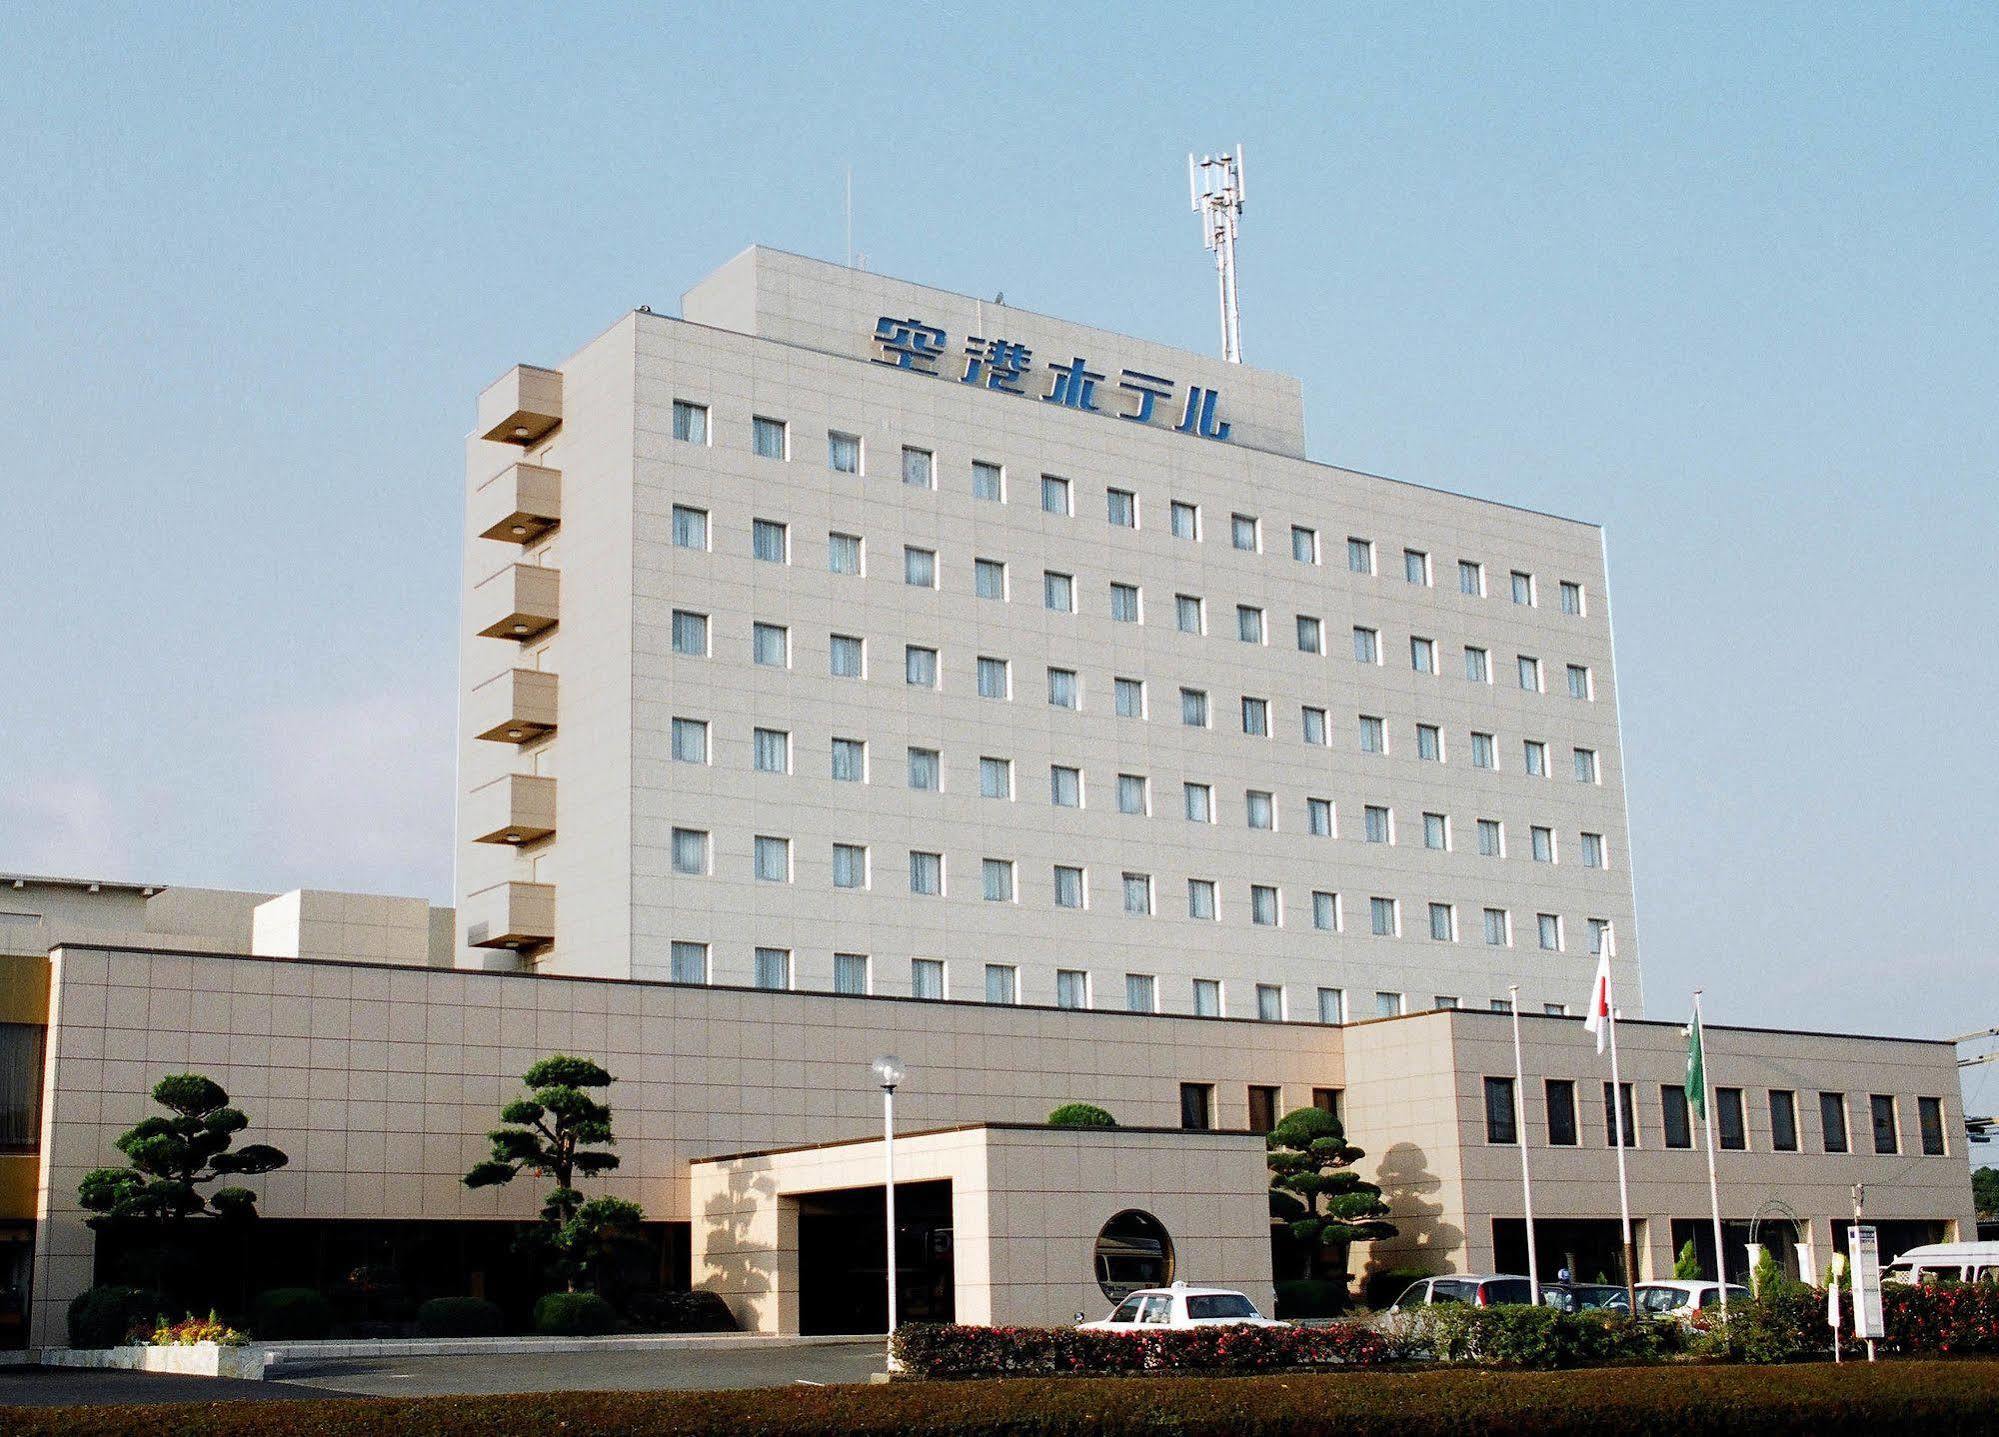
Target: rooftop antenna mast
x=1215, y=186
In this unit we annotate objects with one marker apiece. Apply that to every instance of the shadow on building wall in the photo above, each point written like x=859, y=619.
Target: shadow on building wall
x=1424, y=1242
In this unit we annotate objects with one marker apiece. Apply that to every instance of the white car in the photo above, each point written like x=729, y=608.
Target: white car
x=1684, y=1299
x=1181, y=1306
x=1954, y=1261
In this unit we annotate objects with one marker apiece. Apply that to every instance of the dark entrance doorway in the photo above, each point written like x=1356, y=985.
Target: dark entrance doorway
x=1776, y=1236
x=843, y=1264
x=1592, y=1249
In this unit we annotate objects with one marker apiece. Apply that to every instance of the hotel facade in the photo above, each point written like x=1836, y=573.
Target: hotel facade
x=849, y=666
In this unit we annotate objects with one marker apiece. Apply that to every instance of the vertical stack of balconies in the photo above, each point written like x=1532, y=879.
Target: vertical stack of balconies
x=519, y=603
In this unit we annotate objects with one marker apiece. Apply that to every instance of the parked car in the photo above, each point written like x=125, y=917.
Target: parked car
x=1951, y=1261
x=1181, y=1306
x=1683, y=1299
x=1487, y=1290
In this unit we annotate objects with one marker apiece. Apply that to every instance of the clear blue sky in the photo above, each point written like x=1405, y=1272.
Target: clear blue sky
x=1721, y=278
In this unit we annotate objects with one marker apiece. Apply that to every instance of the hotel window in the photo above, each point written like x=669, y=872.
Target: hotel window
x=1626, y=1109
x=690, y=963
x=1062, y=688
x=850, y=973
x=1572, y=597
x=1058, y=592
x=690, y=851
x=1554, y=1010
x=1482, y=752
x=989, y=579
x=1065, y=786
x=770, y=541
x=1373, y=735
x=1243, y=532
x=1783, y=1121
x=1436, y=831
x=926, y=769
x=1304, y=544
x=1332, y=1009
x=690, y=741
x=1319, y=817
x=1585, y=759
x=1186, y=520
x=1559, y=1095
x=1731, y=1135
x=1124, y=603
x=1249, y=624
x=1429, y=743
x=1326, y=911
x=1579, y=684
x=690, y=422
x=1141, y=993
x=1592, y=850
x=1382, y=917
x=690, y=634
x=1072, y=988
x=996, y=778
x=1416, y=566
x=1201, y=898
x=918, y=468
x=770, y=645
x=1187, y=615
x=1314, y=724
x=926, y=977
x=1471, y=578
x=1523, y=588
x=993, y=679
x=996, y=879
x=1068, y=887
x=1378, y=824
x=1207, y=998
x=768, y=438
x=1131, y=794
x=1259, y=810
x=690, y=527
x=1530, y=673
x=1311, y=635
x=1263, y=907
x=1128, y=697
x=843, y=553
x=1255, y=717
x=1929, y=1120
x=1422, y=656
x=1269, y=1009
x=1387, y=1005
x=919, y=666
x=1443, y=923
x=1366, y=645
x=1548, y=927
x=1501, y=1124
x=1478, y=668
x=1832, y=1121
x=919, y=567
x=773, y=859
x=1002, y=983
x=1887, y=1136
x=1197, y=1100
x=770, y=750
x=1121, y=508
x=850, y=760
x=1599, y=935
x=1194, y=708
x=1054, y=495
x=847, y=656
x=1491, y=839
x=1673, y=1117
x=850, y=865
x=1498, y=928
x=1534, y=757
x=988, y=481
x=1200, y=802
x=773, y=968
x=1360, y=556
x=843, y=453
x=1138, y=894
x=926, y=873
x=1543, y=840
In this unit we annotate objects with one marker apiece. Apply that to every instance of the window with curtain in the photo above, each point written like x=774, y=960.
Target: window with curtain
x=21, y=1046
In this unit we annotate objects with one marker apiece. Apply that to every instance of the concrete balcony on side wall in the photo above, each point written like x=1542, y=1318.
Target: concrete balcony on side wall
x=516, y=809
x=519, y=504
x=517, y=706
x=514, y=916
x=523, y=406
x=520, y=602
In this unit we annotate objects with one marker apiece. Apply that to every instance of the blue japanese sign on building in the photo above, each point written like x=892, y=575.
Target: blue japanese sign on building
x=1008, y=366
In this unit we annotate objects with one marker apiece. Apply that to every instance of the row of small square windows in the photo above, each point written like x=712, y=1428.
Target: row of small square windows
x=771, y=439
x=770, y=541
x=770, y=752
x=770, y=646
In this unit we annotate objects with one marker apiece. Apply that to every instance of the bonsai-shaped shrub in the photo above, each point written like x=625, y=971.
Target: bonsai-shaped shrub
x=1081, y=1115
x=1315, y=1192
x=172, y=1158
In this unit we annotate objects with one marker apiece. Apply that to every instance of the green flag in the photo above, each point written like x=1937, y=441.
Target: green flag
x=1696, y=1070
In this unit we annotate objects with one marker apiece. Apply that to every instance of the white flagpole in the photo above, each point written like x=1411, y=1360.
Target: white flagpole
x=1623, y=1185
x=1707, y=1132
x=1520, y=1131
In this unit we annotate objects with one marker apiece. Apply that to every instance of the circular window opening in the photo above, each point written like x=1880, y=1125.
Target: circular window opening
x=1133, y=1251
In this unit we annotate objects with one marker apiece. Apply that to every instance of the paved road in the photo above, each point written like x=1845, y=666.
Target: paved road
x=84, y=1386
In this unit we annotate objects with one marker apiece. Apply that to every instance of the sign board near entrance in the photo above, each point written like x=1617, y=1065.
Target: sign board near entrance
x=1863, y=1245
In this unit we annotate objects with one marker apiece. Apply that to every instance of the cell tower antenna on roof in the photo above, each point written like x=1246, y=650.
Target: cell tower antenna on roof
x=1215, y=186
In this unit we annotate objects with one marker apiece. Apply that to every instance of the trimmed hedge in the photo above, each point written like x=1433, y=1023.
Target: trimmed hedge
x=573, y=1314
x=459, y=1317
x=1935, y=1399
x=1311, y=1297
x=1949, y=1318
x=291, y=1314
x=679, y=1312
x=106, y=1316
x=941, y=1350
x=1081, y=1115
x=1516, y=1335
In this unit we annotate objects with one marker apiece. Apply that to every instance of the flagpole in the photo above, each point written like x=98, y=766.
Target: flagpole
x=1707, y=1132
x=1520, y=1125
x=1623, y=1185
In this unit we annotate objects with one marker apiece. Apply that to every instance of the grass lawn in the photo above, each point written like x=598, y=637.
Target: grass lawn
x=1930, y=1398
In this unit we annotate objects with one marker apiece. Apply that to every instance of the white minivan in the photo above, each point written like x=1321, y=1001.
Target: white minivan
x=1955, y=1261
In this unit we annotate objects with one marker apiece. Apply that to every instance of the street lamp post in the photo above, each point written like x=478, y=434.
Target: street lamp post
x=889, y=1073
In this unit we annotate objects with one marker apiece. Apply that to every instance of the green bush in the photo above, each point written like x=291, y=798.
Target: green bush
x=1311, y=1297
x=1687, y=1266
x=1378, y=1289
x=291, y=1314
x=679, y=1312
x=1081, y=1115
x=955, y=1350
x=106, y=1316
x=1787, y=1325
x=459, y=1317
x=1517, y=1335
x=573, y=1314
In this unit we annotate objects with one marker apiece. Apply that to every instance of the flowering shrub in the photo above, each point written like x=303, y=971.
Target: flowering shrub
x=190, y=1330
x=942, y=1350
x=1951, y=1318
x=1517, y=1335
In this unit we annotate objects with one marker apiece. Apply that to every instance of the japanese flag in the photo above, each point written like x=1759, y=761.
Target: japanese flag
x=1598, y=1019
